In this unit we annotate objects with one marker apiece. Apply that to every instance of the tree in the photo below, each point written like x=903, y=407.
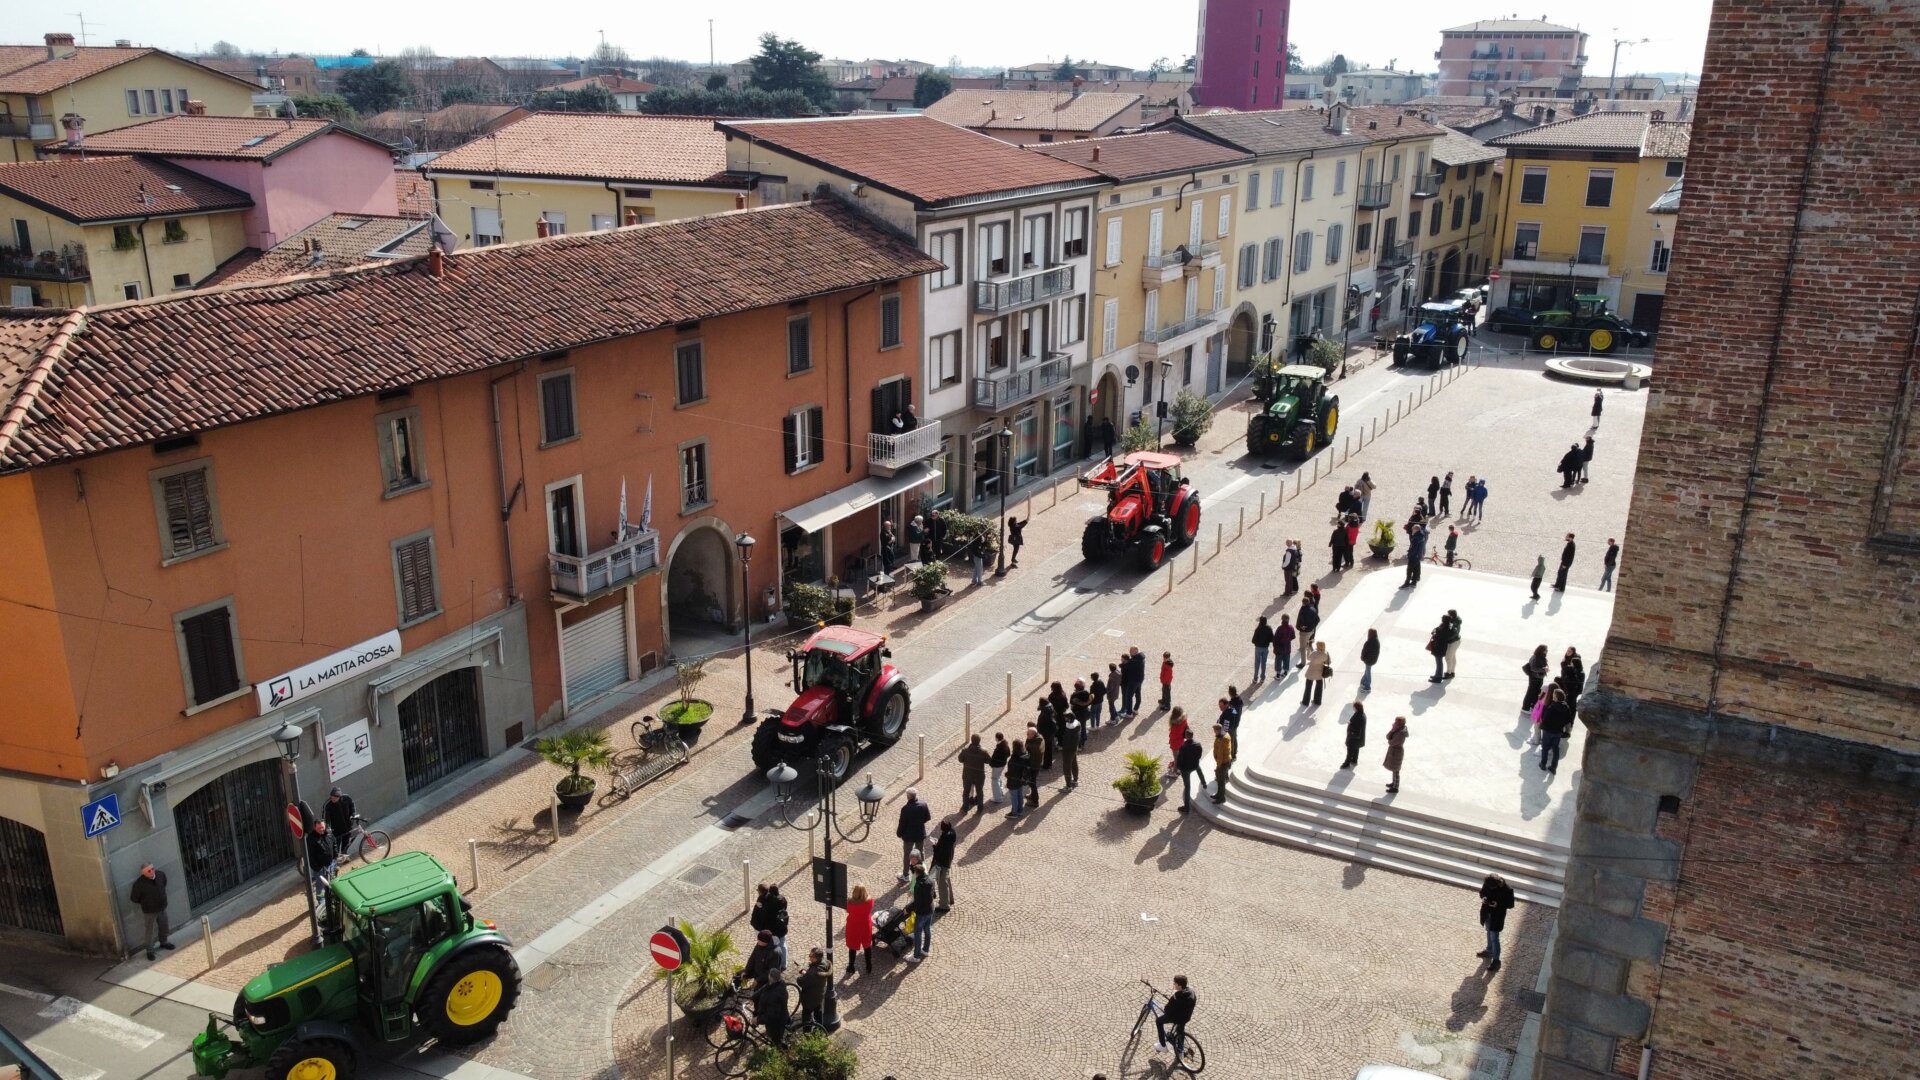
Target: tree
x=331, y=106
x=748, y=102
x=1295, y=66
x=225, y=50
x=461, y=95
x=1188, y=64
x=1157, y=68
x=609, y=60
x=663, y=71
x=789, y=65
x=716, y=81
x=376, y=87
x=359, y=52
x=592, y=98
x=1065, y=71
x=930, y=87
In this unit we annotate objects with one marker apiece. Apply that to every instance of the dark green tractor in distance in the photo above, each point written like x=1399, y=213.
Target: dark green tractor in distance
x=1295, y=413
x=1587, y=325
x=405, y=948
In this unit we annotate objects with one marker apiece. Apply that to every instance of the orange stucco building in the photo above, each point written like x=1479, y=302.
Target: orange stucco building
x=385, y=505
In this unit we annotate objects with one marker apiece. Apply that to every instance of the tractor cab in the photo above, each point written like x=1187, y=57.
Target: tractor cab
x=846, y=696
x=840, y=660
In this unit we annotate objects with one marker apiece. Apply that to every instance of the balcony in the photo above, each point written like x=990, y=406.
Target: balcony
x=996, y=392
x=67, y=264
x=1426, y=185
x=1168, y=339
x=1393, y=255
x=14, y=127
x=996, y=297
x=1158, y=269
x=580, y=577
x=888, y=454
x=1376, y=196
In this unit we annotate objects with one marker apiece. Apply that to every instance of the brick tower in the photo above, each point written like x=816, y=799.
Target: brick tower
x=1746, y=856
x=1241, y=59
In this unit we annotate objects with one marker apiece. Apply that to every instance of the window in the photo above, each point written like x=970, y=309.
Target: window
x=1599, y=187
x=945, y=246
x=153, y=106
x=1277, y=188
x=1073, y=320
x=556, y=222
x=133, y=103
x=22, y=236
x=1420, y=164
x=1363, y=238
x=184, y=498
x=944, y=352
x=486, y=226
x=1109, y=325
x=993, y=344
x=1676, y=169
x=123, y=238
x=1526, y=240
x=1459, y=211
x=181, y=96
x=1113, y=241
x=1156, y=232
x=1033, y=332
x=1593, y=244
x=693, y=476
x=557, y=420
x=689, y=372
x=890, y=321
x=1253, y=189
x=1533, y=185
x=1073, y=234
x=805, y=442
x=993, y=250
x=1336, y=235
x=176, y=232
x=1273, y=263
x=401, y=467
x=1396, y=168
x=1479, y=204
x=1150, y=319
x=166, y=101
x=1303, y=253
x=1196, y=224
x=130, y=290
x=1339, y=177
x=209, y=654
x=1249, y=264
x=1226, y=214
x=1036, y=232
x=1433, y=225
x=799, y=344
x=413, y=578
x=1306, y=183
x=1413, y=223
x=1219, y=288
x=1662, y=254
x=183, y=281
x=602, y=222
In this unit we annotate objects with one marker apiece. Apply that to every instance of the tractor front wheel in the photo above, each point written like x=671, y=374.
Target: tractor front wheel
x=1188, y=524
x=1151, y=551
x=1602, y=340
x=1093, y=541
x=313, y=1059
x=837, y=750
x=1331, y=420
x=766, y=745
x=890, y=720
x=1546, y=340
x=470, y=995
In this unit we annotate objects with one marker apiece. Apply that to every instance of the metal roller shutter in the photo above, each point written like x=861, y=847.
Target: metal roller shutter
x=594, y=651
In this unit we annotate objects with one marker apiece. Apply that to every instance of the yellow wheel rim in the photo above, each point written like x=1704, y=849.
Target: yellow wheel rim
x=1548, y=341
x=474, y=998
x=312, y=1069
x=1333, y=422
x=1602, y=339
x=1309, y=442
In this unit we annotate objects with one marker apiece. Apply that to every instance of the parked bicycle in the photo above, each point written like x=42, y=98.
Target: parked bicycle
x=371, y=845
x=1188, y=1055
x=1460, y=562
x=738, y=1033
x=660, y=749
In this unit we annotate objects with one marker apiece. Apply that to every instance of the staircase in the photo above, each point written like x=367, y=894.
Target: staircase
x=1368, y=828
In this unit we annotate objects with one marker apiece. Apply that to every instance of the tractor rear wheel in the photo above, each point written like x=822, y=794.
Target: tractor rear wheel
x=1546, y=340
x=1093, y=541
x=1151, y=551
x=470, y=995
x=1330, y=420
x=1602, y=340
x=889, y=721
x=766, y=744
x=1187, y=526
x=838, y=752
x=313, y=1059
x=1456, y=349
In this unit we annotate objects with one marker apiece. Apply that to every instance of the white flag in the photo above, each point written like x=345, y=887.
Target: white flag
x=620, y=533
x=646, y=508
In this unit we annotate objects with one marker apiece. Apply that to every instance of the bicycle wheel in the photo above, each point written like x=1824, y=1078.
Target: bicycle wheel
x=374, y=845
x=730, y=1026
x=677, y=749
x=1141, y=1020
x=734, y=1058
x=618, y=785
x=1189, y=1056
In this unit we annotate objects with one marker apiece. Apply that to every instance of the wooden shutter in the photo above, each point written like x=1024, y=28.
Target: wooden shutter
x=881, y=414
x=556, y=400
x=189, y=512
x=414, y=562
x=211, y=666
x=889, y=321
x=816, y=436
x=789, y=440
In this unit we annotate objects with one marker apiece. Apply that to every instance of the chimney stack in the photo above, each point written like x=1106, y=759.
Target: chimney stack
x=59, y=46
x=1076, y=86
x=436, y=262
x=194, y=107
x=75, y=123
x=540, y=228
x=1659, y=115
x=740, y=202
x=1096, y=153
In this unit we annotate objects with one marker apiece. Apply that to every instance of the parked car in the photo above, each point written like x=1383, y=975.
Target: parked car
x=1473, y=294
x=1510, y=320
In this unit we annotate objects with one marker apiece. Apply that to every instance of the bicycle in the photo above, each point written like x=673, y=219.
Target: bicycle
x=660, y=749
x=1459, y=562
x=371, y=845
x=737, y=1036
x=1188, y=1055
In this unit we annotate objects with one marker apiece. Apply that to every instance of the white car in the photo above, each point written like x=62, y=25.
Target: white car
x=1392, y=1072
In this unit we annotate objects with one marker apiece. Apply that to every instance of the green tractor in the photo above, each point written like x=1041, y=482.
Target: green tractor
x=1587, y=325
x=1296, y=413
x=405, y=947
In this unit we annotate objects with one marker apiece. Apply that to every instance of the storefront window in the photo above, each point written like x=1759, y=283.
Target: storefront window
x=986, y=475
x=800, y=556
x=1062, y=429
x=1026, y=447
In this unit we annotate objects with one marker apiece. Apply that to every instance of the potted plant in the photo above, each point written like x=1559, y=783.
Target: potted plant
x=806, y=605
x=1138, y=437
x=1140, y=784
x=811, y=1055
x=839, y=606
x=1192, y=415
x=690, y=714
x=704, y=973
x=1381, y=542
x=573, y=751
x=929, y=584
x=1326, y=353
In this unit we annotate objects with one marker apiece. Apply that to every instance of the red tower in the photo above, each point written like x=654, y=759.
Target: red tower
x=1241, y=60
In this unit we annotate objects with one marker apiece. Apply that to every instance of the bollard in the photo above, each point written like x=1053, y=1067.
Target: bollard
x=923, y=757
x=1296, y=485
x=1346, y=450
x=1009, y=691
x=1243, y=523
x=746, y=886
x=1261, y=514
x=473, y=865
x=1196, y=561
x=206, y=935
x=1056, y=495
x=1376, y=427
x=554, y=807
x=1048, y=677
x=1169, y=591
x=1219, y=535
x=966, y=730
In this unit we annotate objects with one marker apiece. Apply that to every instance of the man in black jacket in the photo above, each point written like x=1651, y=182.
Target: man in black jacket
x=942, y=865
x=1570, y=466
x=770, y=914
x=922, y=913
x=1133, y=677
x=1177, y=1013
x=339, y=815
x=770, y=1006
x=912, y=830
x=813, y=989
x=321, y=853
x=1496, y=899
x=1566, y=564
x=1189, y=761
x=762, y=961
x=150, y=895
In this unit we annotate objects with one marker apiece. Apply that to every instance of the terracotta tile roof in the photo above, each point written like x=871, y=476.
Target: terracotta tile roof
x=109, y=188
x=25, y=69
x=236, y=138
x=1281, y=131
x=1635, y=131
x=413, y=193
x=917, y=157
x=618, y=84
x=1453, y=148
x=596, y=146
x=466, y=116
x=1152, y=153
x=999, y=110
x=146, y=370
x=1667, y=139
x=1510, y=26
x=341, y=241
x=24, y=336
x=894, y=88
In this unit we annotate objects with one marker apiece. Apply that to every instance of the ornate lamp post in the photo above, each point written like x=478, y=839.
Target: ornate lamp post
x=745, y=542
x=1006, y=481
x=1160, y=407
x=826, y=814
x=288, y=736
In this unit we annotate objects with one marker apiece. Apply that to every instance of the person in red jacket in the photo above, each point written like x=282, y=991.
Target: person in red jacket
x=1177, y=730
x=1166, y=680
x=859, y=927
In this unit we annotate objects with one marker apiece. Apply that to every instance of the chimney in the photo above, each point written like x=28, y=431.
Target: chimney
x=1076, y=86
x=1538, y=112
x=540, y=228
x=1096, y=153
x=1550, y=113
x=633, y=216
x=1506, y=107
x=75, y=123
x=740, y=202
x=194, y=107
x=436, y=262
x=59, y=46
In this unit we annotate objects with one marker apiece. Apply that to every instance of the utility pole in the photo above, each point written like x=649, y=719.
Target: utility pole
x=1615, y=69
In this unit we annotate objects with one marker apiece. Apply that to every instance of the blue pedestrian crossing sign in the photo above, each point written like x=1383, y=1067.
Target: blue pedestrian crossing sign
x=100, y=815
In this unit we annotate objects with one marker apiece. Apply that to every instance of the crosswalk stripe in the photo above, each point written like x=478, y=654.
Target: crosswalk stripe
x=98, y=1021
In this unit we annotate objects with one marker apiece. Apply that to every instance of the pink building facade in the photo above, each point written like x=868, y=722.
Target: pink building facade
x=1241, y=59
x=1494, y=54
x=334, y=173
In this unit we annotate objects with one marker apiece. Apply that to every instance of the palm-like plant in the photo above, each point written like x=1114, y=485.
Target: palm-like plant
x=1142, y=778
x=577, y=749
x=707, y=969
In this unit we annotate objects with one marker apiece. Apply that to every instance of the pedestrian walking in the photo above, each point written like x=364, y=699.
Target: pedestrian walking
x=1071, y=734
x=149, y=894
x=1433, y=493
x=1556, y=723
x=1081, y=702
x=1188, y=760
x=1222, y=760
x=1034, y=746
x=973, y=776
x=1290, y=566
x=1598, y=399
x=1539, y=575
x=1569, y=467
x=770, y=1006
x=813, y=988
x=1416, y=551
x=1573, y=675
x=1356, y=735
x=922, y=914
x=1369, y=656
x=1017, y=536
x=1262, y=641
x=1308, y=623
x=1453, y=641
x=1136, y=680
x=1535, y=669
x=1446, y=495
x=997, y=765
x=770, y=915
x=1319, y=666
x=859, y=928
x=942, y=864
x=1496, y=899
x=1166, y=680
x=1283, y=636
x=1566, y=565
x=911, y=830
x=1365, y=486
x=1396, y=751
x=1607, y=563
x=1586, y=457
x=1019, y=774
x=1453, y=543
x=1107, y=435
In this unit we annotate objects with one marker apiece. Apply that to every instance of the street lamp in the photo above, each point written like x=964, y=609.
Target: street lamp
x=1160, y=407
x=745, y=543
x=1006, y=480
x=288, y=736
x=1615, y=70
x=826, y=813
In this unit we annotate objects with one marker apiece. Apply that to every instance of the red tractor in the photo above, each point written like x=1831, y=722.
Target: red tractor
x=847, y=696
x=1150, y=509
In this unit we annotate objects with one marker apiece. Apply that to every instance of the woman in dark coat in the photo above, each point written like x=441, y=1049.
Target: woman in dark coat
x=1535, y=670
x=1496, y=899
x=1356, y=735
x=1048, y=725
x=1573, y=675
x=1396, y=751
x=1570, y=466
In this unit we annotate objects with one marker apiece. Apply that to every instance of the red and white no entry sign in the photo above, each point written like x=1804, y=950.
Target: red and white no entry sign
x=294, y=822
x=669, y=947
x=1495, y=276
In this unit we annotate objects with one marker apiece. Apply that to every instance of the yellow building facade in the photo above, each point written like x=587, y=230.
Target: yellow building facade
x=108, y=88
x=473, y=205
x=1462, y=221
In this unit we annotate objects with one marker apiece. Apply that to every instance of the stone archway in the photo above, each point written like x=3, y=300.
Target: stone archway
x=699, y=594
x=1243, y=336
x=1111, y=404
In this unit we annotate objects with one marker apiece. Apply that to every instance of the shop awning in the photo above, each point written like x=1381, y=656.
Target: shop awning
x=821, y=512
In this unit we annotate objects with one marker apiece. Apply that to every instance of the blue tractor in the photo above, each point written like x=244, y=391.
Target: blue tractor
x=1439, y=338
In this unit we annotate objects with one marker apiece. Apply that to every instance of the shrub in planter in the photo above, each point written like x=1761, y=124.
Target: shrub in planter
x=1192, y=415
x=929, y=583
x=689, y=714
x=573, y=751
x=813, y=1055
x=705, y=972
x=806, y=604
x=1326, y=353
x=1381, y=542
x=964, y=530
x=1140, y=784
x=1138, y=437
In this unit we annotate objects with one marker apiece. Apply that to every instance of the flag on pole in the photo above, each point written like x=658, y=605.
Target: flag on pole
x=620, y=533
x=646, y=508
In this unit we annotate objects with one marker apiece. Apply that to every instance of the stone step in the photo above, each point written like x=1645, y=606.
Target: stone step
x=1261, y=775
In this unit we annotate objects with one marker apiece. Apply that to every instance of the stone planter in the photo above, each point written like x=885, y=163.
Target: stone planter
x=1142, y=804
x=578, y=801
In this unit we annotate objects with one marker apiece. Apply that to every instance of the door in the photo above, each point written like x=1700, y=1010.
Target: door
x=20, y=295
x=29, y=901
x=889, y=399
x=563, y=521
x=1646, y=311
x=440, y=728
x=1193, y=299
x=1155, y=231
x=1194, y=220
x=1216, y=363
x=1150, y=323
x=232, y=832
x=594, y=653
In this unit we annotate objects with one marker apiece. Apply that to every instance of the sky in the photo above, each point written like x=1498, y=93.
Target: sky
x=980, y=32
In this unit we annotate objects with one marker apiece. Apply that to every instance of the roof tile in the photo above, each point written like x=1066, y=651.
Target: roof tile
x=342, y=240
x=1635, y=131
x=598, y=146
x=1152, y=153
x=240, y=138
x=1027, y=109
x=110, y=188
